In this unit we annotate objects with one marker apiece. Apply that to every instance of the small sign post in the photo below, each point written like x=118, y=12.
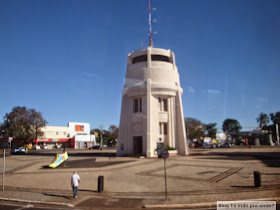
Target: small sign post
x=4, y=166
x=165, y=154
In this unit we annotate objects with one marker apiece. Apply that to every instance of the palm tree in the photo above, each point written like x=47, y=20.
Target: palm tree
x=263, y=119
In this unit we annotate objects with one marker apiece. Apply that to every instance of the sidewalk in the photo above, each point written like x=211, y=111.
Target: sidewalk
x=104, y=200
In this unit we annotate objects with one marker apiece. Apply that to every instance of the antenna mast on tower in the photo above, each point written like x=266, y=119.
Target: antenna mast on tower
x=150, y=26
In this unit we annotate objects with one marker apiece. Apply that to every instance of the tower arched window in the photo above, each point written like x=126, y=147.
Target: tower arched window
x=163, y=128
x=137, y=105
x=163, y=107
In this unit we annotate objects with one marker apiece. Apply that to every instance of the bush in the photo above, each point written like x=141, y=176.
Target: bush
x=167, y=147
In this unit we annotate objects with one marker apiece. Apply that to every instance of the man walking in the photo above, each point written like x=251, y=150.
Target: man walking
x=75, y=180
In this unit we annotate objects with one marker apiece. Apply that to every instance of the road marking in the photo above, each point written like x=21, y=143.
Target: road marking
x=25, y=207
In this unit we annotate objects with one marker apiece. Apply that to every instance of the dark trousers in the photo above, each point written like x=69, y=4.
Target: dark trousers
x=75, y=190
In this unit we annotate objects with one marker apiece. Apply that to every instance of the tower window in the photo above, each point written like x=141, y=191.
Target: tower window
x=160, y=58
x=141, y=58
x=137, y=105
x=163, y=104
x=163, y=128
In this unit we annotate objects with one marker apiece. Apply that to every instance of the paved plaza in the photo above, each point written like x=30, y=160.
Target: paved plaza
x=205, y=176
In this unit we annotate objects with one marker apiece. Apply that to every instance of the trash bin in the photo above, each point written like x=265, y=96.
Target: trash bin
x=100, y=183
x=257, y=179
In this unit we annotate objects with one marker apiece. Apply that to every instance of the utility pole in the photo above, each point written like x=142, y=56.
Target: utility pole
x=101, y=135
x=277, y=134
x=4, y=166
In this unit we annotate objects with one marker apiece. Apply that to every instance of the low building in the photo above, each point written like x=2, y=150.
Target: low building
x=221, y=137
x=76, y=135
x=56, y=131
x=81, y=133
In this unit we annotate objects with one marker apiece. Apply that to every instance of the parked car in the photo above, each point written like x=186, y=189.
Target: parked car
x=196, y=145
x=215, y=145
x=95, y=147
x=20, y=150
x=206, y=145
x=211, y=145
x=226, y=145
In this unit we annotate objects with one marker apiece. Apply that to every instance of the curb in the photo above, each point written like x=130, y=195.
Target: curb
x=201, y=205
x=36, y=202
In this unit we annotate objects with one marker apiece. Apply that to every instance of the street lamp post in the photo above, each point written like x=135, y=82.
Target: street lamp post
x=4, y=164
x=101, y=136
x=277, y=134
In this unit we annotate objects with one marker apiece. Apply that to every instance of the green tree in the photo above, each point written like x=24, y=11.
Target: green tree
x=210, y=129
x=23, y=123
x=109, y=136
x=194, y=128
x=263, y=119
x=114, y=132
x=275, y=118
x=231, y=125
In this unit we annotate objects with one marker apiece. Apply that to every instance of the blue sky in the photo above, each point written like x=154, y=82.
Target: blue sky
x=67, y=59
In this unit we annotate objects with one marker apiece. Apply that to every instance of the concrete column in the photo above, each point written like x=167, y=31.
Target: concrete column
x=128, y=128
x=181, y=140
x=169, y=122
x=149, y=152
x=173, y=117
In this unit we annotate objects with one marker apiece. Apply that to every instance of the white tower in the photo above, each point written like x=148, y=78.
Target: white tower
x=151, y=111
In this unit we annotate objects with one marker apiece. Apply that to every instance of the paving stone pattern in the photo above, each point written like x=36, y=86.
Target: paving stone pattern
x=207, y=175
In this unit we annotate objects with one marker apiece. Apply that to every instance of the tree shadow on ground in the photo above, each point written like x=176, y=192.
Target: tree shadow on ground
x=268, y=158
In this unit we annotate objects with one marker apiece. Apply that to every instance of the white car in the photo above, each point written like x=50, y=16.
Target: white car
x=20, y=150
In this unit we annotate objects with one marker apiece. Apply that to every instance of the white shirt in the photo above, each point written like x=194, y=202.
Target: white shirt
x=75, y=180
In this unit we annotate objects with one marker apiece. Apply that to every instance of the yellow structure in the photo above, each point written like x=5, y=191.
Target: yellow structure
x=59, y=158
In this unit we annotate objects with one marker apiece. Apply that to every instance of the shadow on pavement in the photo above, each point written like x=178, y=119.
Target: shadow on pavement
x=118, y=203
x=243, y=186
x=86, y=163
x=54, y=195
x=90, y=153
x=268, y=158
x=88, y=190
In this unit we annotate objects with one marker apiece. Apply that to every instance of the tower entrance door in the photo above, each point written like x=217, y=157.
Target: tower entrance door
x=137, y=145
